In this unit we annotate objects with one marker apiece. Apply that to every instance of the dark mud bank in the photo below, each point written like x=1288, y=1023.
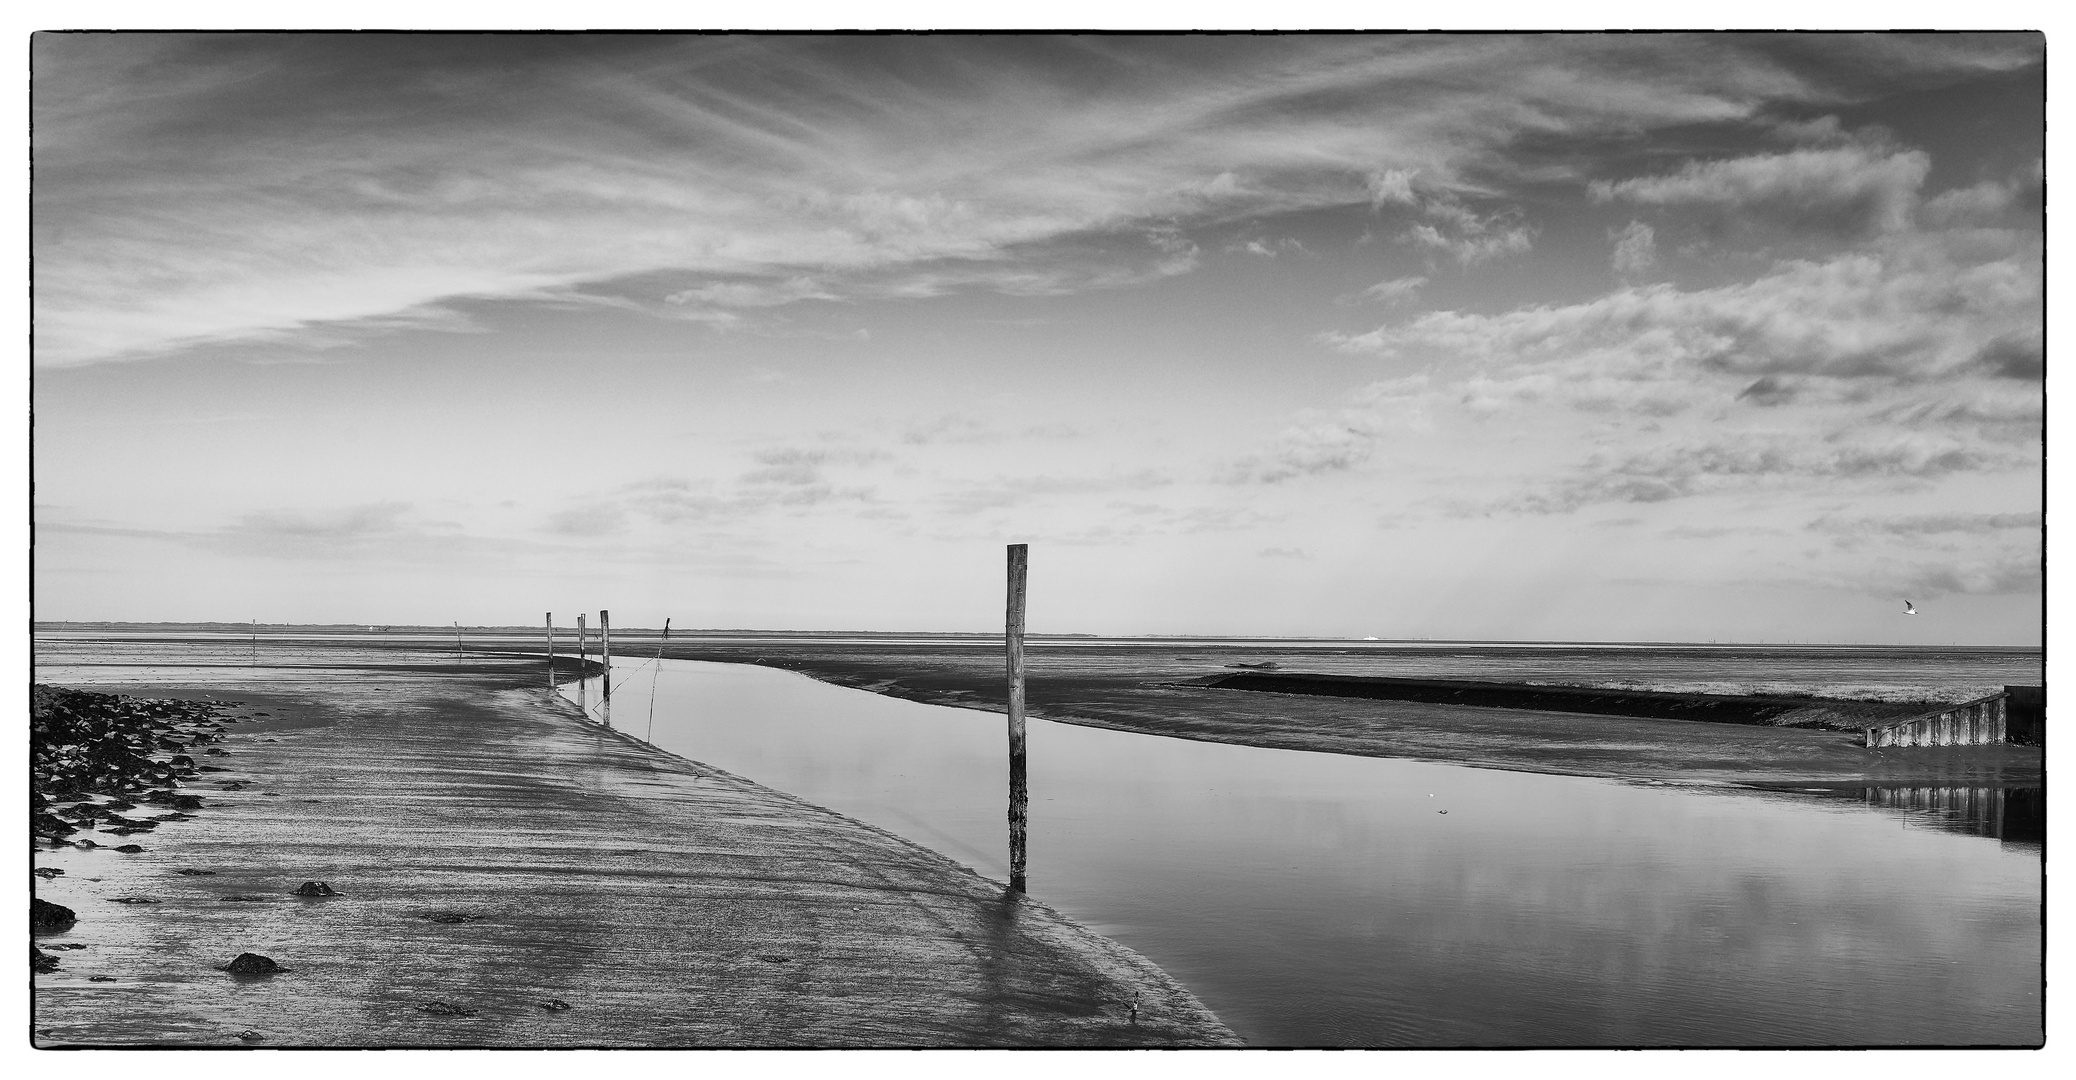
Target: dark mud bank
x=1596, y=701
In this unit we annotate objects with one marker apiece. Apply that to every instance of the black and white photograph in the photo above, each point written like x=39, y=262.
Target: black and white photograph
x=932, y=538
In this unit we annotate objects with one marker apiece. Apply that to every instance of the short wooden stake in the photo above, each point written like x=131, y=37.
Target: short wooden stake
x=551, y=652
x=605, y=656
x=1019, y=791
x=255, y=643
x=457, y=641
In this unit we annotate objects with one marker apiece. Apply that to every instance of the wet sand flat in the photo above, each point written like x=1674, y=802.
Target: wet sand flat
x=497, y=858
x=1148, y=690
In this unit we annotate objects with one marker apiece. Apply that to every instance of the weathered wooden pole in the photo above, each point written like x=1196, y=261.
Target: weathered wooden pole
x=583, y=658
x=457, y=641
x=605, y=656
x=1019, y=792
x=551, y=652
x=255, y=643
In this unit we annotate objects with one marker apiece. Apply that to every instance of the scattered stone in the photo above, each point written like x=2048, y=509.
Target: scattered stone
x=39, y=961
x=48, y=872
x=44, y=915
x=100, y=978
x=555, y=1005
x=84, y=845
x=134, y=900
x=441, y=1008
x=315, y=888
x=66, y=945
x=251, y=1036
x=191, y=872
x=246, y=899
x=451, y=917
x=772, y=958
x=253, y=964
x=217, y=752
x=131, y=849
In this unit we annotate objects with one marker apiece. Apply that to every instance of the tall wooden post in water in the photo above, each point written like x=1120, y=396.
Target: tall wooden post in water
x=583, y=658
x=605, y=656
x=1019, y=792
x=551, y=652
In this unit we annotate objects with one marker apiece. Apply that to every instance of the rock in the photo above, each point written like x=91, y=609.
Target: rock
x=134, y=900
x=131, y=849
x=249, y=1035
x=48, y=872
x=441, y=1008
x=84, y=845
x=555, y=1005
x=253, y=964
x=314, y=888
x=40, y=961
x=100, y=978
x=190, y=872
x=451, y=917
x=237, y=899
x=44, y=915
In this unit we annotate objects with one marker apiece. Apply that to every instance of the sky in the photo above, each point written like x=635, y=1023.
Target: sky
x=1576, y=337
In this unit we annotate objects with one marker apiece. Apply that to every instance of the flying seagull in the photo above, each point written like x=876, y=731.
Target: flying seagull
x=1909, y=608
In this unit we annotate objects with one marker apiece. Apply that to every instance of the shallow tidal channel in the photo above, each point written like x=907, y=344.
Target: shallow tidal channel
x=1315, y=899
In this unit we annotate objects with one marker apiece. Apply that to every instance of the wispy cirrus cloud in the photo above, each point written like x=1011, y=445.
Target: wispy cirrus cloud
x=179, y=202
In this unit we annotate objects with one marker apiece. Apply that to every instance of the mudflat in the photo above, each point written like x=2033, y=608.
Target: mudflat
x=1156, y=690
x=496, y=871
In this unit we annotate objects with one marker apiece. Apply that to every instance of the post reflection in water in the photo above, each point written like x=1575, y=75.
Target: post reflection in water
x=1321, y=899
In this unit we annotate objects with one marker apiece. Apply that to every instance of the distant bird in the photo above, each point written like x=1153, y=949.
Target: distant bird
x=1909, y=608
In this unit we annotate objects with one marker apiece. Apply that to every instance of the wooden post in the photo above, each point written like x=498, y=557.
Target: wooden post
x=605, y=656
x=457, y=641
x=255, y=643
x=1019, y=792
x=583, y=658
x=551, y=652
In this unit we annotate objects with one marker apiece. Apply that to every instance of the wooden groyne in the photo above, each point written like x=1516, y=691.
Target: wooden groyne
x=2018, y=714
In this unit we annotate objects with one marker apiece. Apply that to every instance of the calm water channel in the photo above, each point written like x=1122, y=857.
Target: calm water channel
x=1320, y=899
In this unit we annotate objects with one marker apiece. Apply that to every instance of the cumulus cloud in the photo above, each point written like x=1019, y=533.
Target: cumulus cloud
x=1745, y=460
x=1847, y=190
x=1335, y=441
x=1636, y=249
x=1396, y=289
x=1467, y=236
x=1907, y=313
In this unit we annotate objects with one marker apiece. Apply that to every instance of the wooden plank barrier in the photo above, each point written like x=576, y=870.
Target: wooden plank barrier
x=1973, y=723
